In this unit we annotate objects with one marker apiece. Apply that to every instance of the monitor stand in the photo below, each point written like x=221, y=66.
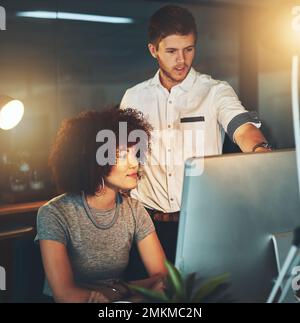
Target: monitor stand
x=282, y=243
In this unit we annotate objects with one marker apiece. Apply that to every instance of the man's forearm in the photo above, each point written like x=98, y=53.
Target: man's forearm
x=247, y=136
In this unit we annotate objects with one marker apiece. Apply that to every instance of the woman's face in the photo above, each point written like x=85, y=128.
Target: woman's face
x=124, y=174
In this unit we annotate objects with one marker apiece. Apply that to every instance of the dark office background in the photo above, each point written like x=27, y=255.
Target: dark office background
x=59, y=67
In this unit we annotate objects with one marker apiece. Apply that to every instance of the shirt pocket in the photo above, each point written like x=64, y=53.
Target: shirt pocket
x=188, y=119
x=192, y=133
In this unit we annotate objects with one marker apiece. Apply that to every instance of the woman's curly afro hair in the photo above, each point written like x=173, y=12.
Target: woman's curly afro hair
x=73, y=155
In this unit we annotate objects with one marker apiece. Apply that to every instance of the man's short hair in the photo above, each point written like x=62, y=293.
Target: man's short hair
x=170, y=20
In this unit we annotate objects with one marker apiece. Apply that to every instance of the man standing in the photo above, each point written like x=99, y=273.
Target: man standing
x=178, y=100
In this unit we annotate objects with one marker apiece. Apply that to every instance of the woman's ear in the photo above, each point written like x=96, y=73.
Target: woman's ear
x=152, y=50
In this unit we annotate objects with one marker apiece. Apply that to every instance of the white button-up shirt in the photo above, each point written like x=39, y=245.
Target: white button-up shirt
x=188, y=121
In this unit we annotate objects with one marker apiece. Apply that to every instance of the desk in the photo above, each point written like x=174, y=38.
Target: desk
x=18, y=215
x=20, y=207
x=18, y=254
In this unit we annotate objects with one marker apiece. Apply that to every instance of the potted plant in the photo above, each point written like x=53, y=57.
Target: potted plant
x=180, y=290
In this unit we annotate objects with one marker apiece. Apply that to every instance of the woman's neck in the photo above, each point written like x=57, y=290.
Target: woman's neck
x=104, y=200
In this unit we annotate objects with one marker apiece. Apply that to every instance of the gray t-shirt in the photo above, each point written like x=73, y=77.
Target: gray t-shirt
x=97, y=242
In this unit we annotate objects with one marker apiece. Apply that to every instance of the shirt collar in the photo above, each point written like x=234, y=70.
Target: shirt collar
x=186, y=84
x=155, y=80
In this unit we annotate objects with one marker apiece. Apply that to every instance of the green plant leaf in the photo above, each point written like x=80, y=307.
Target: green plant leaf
x=175, y=280
x=150, y=294
x=208, y=287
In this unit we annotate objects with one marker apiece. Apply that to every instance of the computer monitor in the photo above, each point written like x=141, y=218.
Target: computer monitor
x=229, y=214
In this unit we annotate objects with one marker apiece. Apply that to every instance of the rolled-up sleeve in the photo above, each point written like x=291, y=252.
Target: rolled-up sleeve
x=240, y=119
x=230, y=112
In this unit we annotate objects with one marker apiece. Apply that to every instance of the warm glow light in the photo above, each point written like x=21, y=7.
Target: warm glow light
x=296, y=19
x=74, y=16
x=11, y=114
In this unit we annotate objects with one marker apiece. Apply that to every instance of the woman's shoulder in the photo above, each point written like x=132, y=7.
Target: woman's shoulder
x=134, y=207
x=127, y=200
x=60, y=203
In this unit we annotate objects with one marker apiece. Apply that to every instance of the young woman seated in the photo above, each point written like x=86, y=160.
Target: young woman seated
x=86, y=233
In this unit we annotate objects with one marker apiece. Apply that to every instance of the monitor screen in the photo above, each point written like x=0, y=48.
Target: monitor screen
x=229, y=214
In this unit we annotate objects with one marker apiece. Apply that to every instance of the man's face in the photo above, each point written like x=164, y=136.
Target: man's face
x=175, y=54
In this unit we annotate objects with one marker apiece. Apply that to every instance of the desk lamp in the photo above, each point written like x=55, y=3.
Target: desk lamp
x=11, y=112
